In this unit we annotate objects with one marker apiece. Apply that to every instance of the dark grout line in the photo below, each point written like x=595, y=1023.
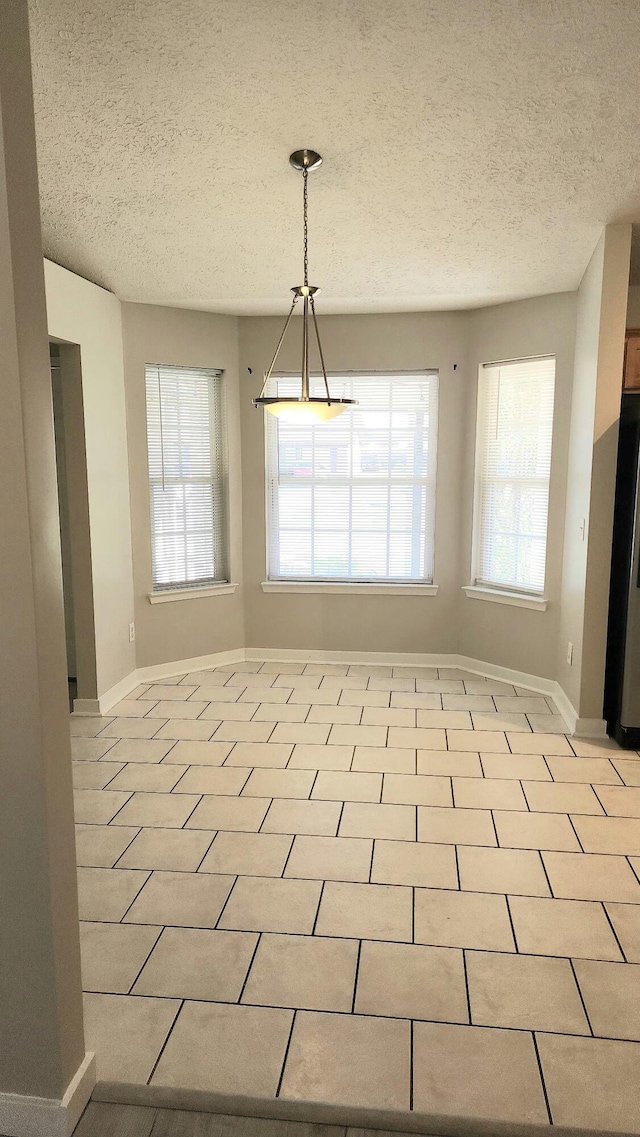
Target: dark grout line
x=253, y=956
x=521, y=782
x=149, y=873
x=106, y=784
x=584, y=1005
x=513, y=928
x=356, y=977
x=633, y=870
x=121, y=855
x=286, y=1054
x=320, y=895
x=570, y=820
x=309, y=795
x=341, y=937
x=224, y=906
x=191, y=812
x=206, y=852
x=266, y=814
x=495, y=829
x=337, y=832
x=466, y=984
x=524, y=794
x=542, y=1081
x=546, y=874
x=164, y=1044
x=544, y=759
x=120, y=808
x=147, y=957
x=603, y=905
x=594, y=788
x=411, y=1075
x=373, y=846
x=288, y=856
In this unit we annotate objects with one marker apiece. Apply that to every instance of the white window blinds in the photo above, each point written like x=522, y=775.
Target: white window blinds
x=513, y=462
x=354, y=498
x=187, y=477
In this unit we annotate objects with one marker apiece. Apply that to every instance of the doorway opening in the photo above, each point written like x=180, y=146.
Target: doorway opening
x=73, y=508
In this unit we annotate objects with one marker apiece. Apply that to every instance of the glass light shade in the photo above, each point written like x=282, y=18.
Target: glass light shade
x=305, y=410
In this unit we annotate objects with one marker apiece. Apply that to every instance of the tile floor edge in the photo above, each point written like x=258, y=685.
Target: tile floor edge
x=397, y=1121
x=482, y=668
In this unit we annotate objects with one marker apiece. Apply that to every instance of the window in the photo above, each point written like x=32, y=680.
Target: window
x=187, y=478
x=353, y=499
x=513, y=461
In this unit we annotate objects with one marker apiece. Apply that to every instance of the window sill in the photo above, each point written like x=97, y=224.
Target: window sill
x=191, y=593
x=496, y=596
x=343, y=587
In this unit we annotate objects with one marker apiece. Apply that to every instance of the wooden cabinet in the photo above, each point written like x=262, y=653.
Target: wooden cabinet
x=631, y=380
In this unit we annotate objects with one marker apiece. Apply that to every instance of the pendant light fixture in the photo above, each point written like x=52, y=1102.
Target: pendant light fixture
x=304, y=407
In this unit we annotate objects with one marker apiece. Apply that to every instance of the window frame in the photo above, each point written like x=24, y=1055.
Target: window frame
x=211, y=585
x=479, y=587
x=334, y=585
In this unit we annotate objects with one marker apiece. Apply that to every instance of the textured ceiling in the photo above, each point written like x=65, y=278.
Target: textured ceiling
x=473, y=148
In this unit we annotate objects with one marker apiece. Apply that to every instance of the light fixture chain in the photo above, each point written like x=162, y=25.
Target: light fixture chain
x=305, y=212
x=313, y=408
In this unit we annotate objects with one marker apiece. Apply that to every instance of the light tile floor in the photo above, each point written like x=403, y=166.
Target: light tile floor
x=374, y=887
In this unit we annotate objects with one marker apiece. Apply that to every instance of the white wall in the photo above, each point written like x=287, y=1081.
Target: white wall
x=81, y=313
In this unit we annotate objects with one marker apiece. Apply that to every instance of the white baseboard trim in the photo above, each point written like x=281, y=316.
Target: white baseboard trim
x=184, y=666
x=105, y=702
x=22, y=1116
x=381, y=658
x=565, y=708
x=535, y=683
x=581, y=727
x=87, y=706
x=79, y=1091
x=588, y=728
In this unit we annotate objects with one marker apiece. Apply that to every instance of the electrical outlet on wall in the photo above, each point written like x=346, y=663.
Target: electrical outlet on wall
x=570, y=653
x=132, y=632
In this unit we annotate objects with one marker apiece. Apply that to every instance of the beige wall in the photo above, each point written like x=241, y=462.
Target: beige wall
x=40, y=998
x=81, y=313
x=355, y=622
x=520, y=638
x=180, y=629
x=601, y=312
